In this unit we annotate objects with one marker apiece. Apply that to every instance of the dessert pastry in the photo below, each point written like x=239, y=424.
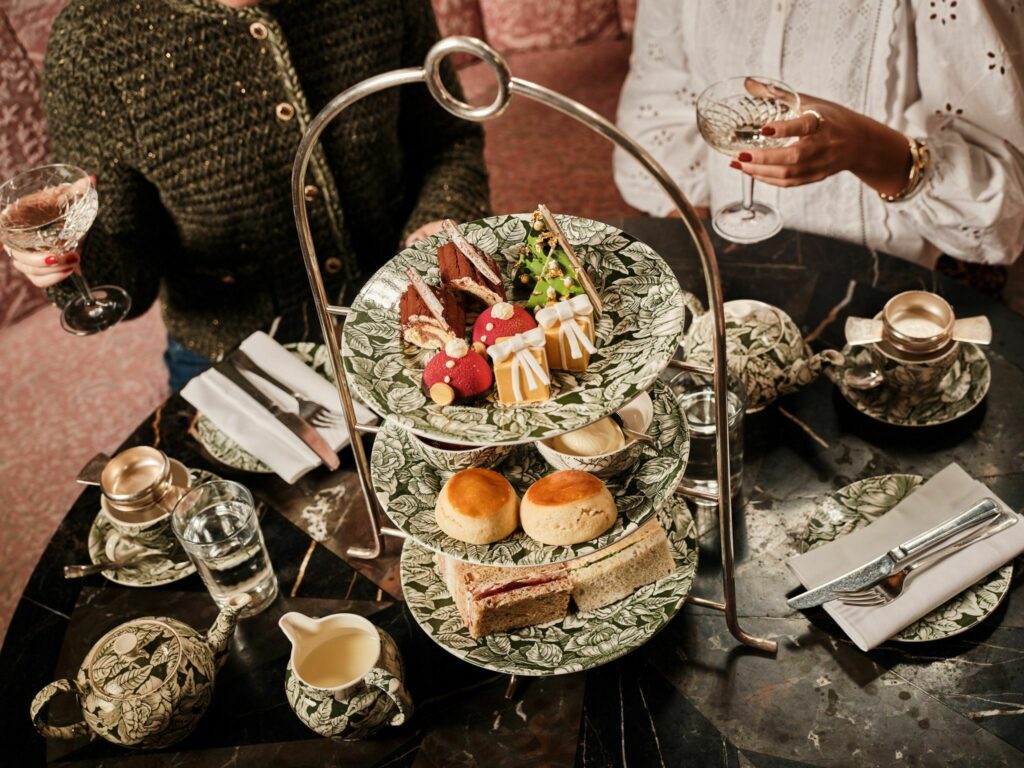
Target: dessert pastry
x=493, y=599
x=618, y=571
x=597, y=439
x=549, y=267
x=466, y=268
x=477, y=506
x=501, y=320
x=430, y=316
x=568, y=333
x=456, y=373
x=567, y=507
x=521, y=368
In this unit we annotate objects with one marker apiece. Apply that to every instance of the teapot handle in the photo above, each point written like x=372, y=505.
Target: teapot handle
x=394, y=690
x=695, y=307
x=42, y=698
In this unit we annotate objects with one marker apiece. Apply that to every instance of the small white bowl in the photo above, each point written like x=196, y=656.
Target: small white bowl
x=452, y=460
x=638, y=415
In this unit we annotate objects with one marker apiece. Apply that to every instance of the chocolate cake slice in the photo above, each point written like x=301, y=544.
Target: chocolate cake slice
x=493, y=599
x=430, y=316
x=467, y=268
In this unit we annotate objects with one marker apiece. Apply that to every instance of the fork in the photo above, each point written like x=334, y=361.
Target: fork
x=891, y=587
x=315, y=413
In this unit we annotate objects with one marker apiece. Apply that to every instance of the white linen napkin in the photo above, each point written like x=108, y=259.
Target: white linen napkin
x=948, y=493
x=253, y=427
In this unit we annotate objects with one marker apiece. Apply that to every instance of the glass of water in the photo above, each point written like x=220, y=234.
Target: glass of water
x=695, y=394
x=216, y=524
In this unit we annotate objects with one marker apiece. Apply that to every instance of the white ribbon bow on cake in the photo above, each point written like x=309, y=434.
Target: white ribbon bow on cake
x=518, y=347
x=571, y=332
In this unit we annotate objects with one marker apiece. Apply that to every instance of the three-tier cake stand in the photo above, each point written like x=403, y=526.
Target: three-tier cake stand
x=329, y=313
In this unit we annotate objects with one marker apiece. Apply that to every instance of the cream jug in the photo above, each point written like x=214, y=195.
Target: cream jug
x=344, y=676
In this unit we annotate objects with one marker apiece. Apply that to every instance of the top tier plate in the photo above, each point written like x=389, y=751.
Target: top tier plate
x=636, y=337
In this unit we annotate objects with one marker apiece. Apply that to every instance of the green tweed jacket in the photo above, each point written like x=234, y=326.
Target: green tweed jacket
x=189, y=113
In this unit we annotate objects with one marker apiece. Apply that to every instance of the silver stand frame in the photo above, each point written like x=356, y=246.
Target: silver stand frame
x=430, y=75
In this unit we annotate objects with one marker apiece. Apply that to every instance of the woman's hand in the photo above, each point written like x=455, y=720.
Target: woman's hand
x=44, y=270
x=428, y=229
x=842, y=140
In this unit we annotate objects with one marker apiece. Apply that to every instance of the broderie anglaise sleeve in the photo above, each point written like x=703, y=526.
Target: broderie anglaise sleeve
x=970, y=70
x=657, y=108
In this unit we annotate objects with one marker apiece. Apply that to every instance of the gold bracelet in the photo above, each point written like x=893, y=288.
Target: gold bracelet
x=919, y=159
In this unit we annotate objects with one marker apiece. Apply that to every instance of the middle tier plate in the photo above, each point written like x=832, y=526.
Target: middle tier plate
x=407, y=488
x=637, y=335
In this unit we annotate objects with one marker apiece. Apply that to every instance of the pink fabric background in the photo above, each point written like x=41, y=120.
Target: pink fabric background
x=546, y=24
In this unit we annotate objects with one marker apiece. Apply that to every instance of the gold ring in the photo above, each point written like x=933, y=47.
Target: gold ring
x=818, y=117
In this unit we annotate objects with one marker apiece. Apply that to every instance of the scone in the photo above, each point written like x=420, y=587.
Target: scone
x=567, y=507
x=477, y=506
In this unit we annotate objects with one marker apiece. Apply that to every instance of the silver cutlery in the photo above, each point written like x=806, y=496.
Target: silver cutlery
x=81, y=571
x=315, y=413
x=298, y=426
x=891, y=587
x=895, y=559
x=632, y=434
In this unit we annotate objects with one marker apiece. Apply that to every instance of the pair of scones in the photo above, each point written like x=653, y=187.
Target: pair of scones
x=479, y=506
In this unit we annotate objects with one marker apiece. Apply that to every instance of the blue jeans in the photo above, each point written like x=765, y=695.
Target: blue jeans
x=182, y=364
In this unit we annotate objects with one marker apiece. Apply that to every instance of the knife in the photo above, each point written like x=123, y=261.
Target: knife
x=887, y=564
x=301, y=428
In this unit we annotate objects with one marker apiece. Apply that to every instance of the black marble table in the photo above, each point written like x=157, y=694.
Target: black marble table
x=692, y=696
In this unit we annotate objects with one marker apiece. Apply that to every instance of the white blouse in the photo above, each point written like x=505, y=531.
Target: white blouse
x=951, y=73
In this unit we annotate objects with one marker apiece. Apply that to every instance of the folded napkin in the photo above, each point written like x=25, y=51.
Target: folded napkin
x=947, y=494
x=253, y=427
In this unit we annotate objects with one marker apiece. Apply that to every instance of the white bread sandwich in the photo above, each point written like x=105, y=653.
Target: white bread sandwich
x=493, y=599
x=618, y=571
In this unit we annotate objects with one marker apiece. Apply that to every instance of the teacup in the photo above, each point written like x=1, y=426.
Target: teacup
x=344, y=675
x=637, y=415
x=449, y=458
x=147, y=521
x=903, y=373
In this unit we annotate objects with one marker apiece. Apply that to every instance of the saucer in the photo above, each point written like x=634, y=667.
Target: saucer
x=860, y=503
x=961, y=390
x=227, y=451
x=153, y=571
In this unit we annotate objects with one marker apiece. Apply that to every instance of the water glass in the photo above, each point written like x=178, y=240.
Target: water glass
x=695, y=394
x=216, y=524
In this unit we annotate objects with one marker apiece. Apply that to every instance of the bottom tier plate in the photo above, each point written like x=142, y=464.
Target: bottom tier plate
x=577, y=642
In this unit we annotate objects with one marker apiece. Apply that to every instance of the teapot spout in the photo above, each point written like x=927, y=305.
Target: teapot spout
x=223, y=627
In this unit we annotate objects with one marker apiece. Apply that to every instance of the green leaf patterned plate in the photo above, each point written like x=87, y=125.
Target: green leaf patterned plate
x=577, y=642
x=231, y=454
x=152, y=571
x=858, y=504
x=961, y=391
x=637, y=335
x=407, y=488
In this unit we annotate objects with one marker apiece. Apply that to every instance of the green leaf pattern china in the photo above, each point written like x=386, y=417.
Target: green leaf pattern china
x=407, y=488
x=577, y=642
x=145, y=683
x=637, y=335
x=379, y=699
x=961, y=390
x=860, y=503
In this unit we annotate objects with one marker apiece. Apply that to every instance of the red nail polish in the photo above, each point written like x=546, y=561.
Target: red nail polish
x=71, y=258
x=746, y=157
x=767, y=131
x=734, y=164
x=50, y=260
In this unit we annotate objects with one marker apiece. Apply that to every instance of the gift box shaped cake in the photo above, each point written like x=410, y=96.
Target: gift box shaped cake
x=521, y=367
x=568, y=333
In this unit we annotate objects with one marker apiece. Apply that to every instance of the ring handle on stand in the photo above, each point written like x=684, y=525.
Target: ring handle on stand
x=481, y=50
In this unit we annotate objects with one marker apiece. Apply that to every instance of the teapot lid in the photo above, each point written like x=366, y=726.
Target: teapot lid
x=134, y=659
x=767, y=321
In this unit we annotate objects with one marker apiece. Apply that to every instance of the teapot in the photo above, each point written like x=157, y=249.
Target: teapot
x=764, y=349
x=344, y=675
x=145, y=683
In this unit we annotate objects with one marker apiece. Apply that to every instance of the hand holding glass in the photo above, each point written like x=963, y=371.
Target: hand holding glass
x=48, y=211
x=730, y=115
